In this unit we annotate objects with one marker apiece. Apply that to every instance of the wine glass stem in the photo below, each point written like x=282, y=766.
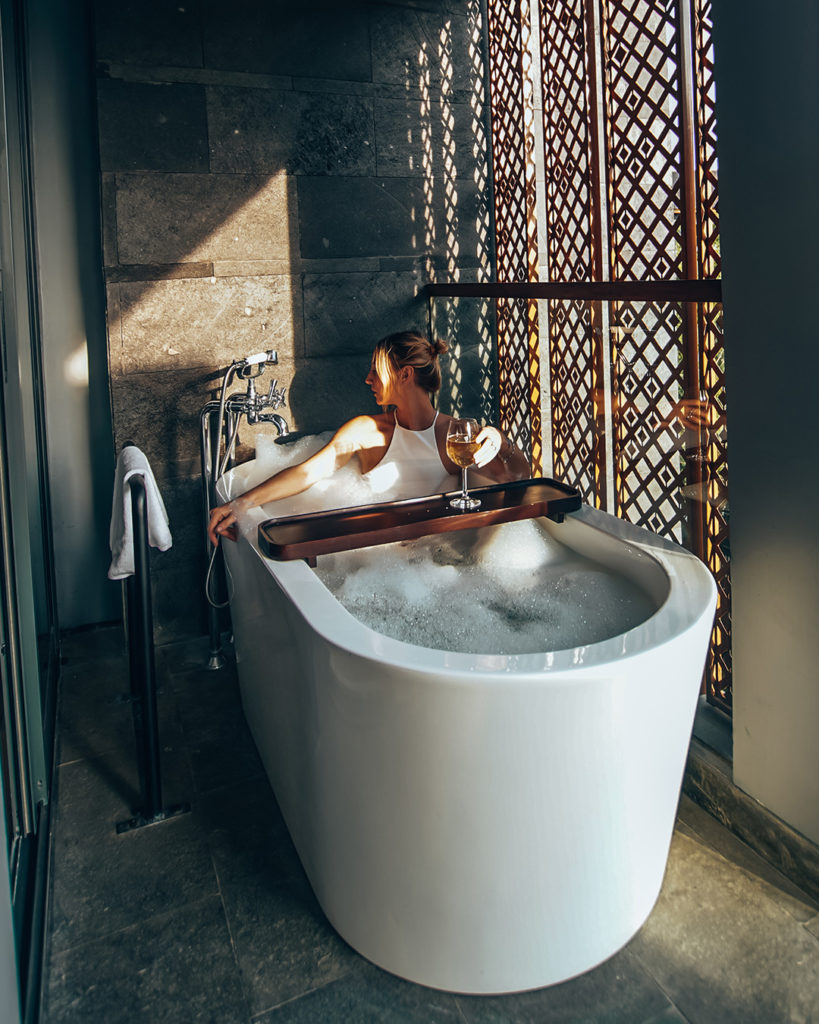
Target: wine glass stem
x=463, y=482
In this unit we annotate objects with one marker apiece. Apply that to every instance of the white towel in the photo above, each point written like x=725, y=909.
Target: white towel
x=131, y=460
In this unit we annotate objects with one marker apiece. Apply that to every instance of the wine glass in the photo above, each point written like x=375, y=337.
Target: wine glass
x=461, y=445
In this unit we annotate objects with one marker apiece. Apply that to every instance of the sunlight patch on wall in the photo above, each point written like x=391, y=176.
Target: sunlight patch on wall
x=190, y=218
x=239, y=296
x=75, y=367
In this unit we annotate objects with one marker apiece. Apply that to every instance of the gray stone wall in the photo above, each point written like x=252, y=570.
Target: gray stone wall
x=282, y=176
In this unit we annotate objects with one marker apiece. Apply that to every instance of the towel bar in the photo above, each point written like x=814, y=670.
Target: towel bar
x=142, y=669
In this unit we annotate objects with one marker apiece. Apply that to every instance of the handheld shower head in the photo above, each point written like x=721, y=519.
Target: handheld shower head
x=260, y=357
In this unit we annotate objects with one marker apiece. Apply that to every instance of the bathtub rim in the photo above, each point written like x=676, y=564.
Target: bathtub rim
x=691, y=595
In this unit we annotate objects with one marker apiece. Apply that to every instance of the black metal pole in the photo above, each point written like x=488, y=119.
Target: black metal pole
x=145, y=640
x=136, y=672
x=143, y=671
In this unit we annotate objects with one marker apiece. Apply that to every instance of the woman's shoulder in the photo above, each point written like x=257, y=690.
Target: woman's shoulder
x=362, y=431
x=367, y=422
x=442, y=421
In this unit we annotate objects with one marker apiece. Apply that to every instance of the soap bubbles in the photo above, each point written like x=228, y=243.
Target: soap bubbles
x=508, y=589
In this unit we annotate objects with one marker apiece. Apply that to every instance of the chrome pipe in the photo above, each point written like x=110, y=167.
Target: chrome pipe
x=208, y=459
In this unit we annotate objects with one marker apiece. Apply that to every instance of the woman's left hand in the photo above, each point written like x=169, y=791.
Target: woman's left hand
x=499, y=458
x=491, y=441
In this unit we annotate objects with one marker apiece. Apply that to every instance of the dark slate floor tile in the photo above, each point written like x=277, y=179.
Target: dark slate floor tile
x=89, y=644
x=367, y=995
x=95, y=712
x=106, y=676
x=184, y=656
x=203, y=696
x=91, y=792
x=219, y=743
x=245, y=828
x=284, y=943
x=221, y=750
x=722, y=948
x=94, y=720
x=106, y=788
x=249, y=841
x=671, y=1015
x=103, y=882
x=619, y=991
x=175, y=967
x=711, y=833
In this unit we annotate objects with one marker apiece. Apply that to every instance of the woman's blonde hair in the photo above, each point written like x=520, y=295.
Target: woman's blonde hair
x=407, y=348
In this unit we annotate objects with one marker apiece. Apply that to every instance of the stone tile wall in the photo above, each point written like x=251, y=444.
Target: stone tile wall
x=282, y=176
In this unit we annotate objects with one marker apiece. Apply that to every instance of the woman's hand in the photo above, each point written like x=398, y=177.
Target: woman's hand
x=491, y=441
x=501, y=460
x=224, y=522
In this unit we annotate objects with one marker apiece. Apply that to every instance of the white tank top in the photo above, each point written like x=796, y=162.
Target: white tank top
x=411, y=466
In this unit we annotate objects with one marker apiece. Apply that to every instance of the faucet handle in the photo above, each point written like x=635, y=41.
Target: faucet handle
x=276, y=396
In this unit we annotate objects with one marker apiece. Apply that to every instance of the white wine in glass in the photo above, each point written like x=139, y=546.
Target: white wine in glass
x=461, y=446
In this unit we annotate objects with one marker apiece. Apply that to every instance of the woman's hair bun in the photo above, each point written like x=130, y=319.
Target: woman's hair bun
x=409, y=348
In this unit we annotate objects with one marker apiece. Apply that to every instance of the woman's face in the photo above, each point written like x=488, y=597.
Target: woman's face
x=380, y=380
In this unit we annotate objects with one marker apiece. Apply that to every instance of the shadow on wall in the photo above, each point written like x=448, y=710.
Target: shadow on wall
x=322, y=394
x=210, y=217
x=469, y=385
x=284, y=177
x=327, y=393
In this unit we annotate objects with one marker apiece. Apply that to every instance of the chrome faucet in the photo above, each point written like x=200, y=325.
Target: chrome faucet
x=218, y=431
x=252, y=404
x=279, y=422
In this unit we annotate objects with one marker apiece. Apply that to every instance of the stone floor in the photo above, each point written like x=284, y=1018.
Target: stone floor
x=208, y=917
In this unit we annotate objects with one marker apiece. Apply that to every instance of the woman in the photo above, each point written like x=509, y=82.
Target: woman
x=407, y=444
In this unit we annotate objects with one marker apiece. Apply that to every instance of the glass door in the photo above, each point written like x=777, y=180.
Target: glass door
x=28, y=633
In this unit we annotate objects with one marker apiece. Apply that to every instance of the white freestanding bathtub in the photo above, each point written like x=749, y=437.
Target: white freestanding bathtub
x=476, y=823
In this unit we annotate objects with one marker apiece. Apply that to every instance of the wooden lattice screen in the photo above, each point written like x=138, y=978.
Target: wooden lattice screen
x=716, y=547
x=629, y=158
x=515, y=229
x=573, y=231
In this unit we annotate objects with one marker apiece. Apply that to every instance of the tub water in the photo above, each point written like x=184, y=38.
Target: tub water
x=513, y=589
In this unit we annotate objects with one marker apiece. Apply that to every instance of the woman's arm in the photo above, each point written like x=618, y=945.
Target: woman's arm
x=356, y=435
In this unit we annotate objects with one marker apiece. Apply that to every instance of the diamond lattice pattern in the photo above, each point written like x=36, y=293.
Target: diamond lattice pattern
x=619, y=175
x=515, y=228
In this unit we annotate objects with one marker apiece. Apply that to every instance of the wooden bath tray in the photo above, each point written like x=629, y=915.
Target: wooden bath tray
x=321, y=533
